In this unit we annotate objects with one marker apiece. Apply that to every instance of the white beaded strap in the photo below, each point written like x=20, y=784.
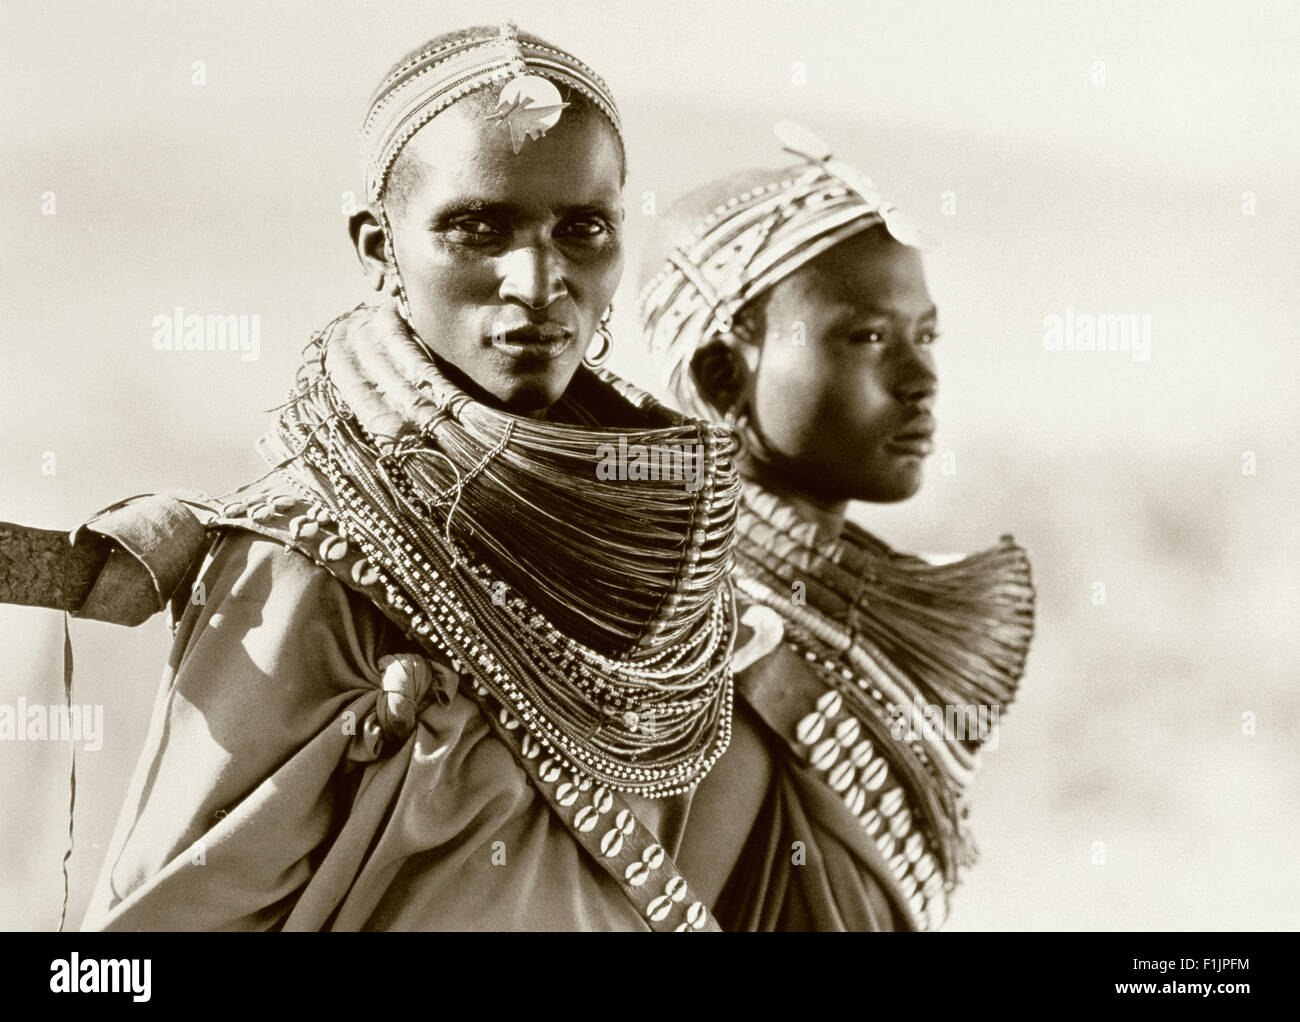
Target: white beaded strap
x=605, y=825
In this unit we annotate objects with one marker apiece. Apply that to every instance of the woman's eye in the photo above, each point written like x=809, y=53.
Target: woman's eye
x=928, y=337
x=474, y=228
x=869, y=337
x=587, y=227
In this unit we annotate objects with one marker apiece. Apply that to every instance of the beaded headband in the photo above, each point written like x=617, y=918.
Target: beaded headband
x=433, y=79
x=748, y=244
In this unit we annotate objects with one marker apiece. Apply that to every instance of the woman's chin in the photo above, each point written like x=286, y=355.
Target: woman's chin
x=902, y=480
x=532, y=394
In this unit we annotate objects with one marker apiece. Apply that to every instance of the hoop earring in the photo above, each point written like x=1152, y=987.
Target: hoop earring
x=399, y=292
x=607, y=342
x=737, y=420
x=753, y=446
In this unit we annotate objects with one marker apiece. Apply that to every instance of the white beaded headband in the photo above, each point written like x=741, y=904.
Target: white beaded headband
x=748, y=244
x=432, y=80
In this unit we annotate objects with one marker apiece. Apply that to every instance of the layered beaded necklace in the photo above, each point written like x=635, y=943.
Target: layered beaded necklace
x=895, y=635
x=598, y=610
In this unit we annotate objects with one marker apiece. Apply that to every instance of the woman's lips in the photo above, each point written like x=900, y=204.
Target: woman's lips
x=917, y=441
x=917, y=448
x=541, y=341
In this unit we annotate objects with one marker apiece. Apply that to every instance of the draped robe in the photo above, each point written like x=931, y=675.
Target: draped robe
x=257, y=805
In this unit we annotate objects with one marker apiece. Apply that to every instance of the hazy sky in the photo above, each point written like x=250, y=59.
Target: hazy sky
x=1203, y=87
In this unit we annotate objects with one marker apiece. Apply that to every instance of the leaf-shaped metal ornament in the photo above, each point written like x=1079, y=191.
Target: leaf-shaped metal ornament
x=856, y=180
x=901, y=227
x=797, y=139
x=530, y=106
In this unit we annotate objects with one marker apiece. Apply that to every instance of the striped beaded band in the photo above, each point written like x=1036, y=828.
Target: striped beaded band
x=745, y=246
x=432, y=80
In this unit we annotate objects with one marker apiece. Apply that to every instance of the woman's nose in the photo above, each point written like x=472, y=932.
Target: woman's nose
x=915, y=381
x=532, y=276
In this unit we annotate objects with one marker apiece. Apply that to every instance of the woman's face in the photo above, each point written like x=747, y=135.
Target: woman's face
x=508, y=259
x=846, y=380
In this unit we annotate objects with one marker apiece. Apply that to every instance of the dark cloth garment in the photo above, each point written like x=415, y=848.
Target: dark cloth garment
x=807, y=864
x=806, y=867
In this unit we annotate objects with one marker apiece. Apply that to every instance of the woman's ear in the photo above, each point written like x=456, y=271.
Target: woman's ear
x=721, y=373
x=368, y=242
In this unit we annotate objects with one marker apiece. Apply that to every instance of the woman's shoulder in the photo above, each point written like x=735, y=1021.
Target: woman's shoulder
x=271, y=543
x=282, y=606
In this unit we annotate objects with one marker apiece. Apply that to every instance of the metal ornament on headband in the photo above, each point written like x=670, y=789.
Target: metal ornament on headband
x=797, y=139
x=530, y=105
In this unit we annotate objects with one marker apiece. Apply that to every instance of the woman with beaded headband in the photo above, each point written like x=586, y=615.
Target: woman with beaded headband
x=455, y=666
x=792, y=304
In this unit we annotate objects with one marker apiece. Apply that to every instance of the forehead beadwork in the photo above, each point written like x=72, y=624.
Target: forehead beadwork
x=443, y=72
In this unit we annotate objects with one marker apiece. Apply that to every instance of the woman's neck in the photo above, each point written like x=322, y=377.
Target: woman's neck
x=826, y=515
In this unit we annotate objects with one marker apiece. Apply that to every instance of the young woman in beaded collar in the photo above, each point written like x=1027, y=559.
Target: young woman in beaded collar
x=793, y=305
x=431, y=631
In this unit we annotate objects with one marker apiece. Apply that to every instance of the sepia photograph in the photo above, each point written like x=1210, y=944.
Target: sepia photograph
x=650, y=465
